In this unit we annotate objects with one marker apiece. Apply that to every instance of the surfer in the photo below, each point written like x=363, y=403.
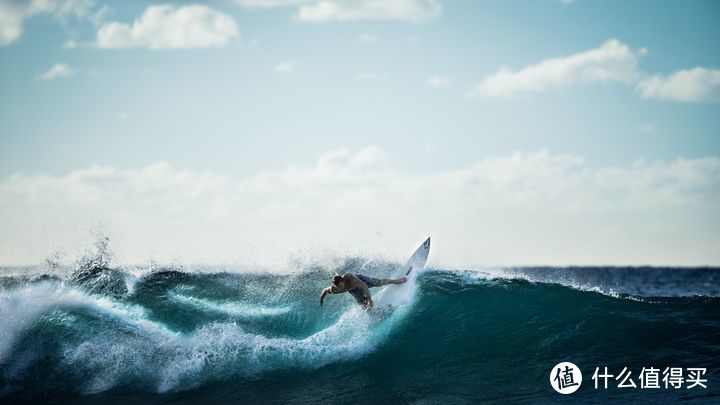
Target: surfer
x=359, y=286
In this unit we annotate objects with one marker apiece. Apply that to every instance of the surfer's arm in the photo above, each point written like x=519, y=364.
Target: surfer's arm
x=324, y=293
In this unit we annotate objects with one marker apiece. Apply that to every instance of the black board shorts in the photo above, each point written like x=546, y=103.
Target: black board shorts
x=359, y=294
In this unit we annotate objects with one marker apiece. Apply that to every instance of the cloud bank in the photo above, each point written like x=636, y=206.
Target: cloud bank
x=524, y=208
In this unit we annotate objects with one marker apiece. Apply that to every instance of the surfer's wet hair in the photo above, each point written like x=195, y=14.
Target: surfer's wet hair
x=337, y=280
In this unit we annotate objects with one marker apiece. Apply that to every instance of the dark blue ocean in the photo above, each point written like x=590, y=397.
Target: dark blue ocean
x=100, y=334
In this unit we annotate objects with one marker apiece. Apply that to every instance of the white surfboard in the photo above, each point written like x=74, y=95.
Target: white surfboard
x=399, y=294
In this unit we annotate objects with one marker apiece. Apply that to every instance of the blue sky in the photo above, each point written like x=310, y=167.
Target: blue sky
x=419, y=91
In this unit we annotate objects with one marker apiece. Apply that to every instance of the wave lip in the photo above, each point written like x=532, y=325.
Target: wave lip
x=22, y=308
x=618, y=282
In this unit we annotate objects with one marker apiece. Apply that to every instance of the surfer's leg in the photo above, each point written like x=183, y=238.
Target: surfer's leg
x=370, y=281
x=387, y=281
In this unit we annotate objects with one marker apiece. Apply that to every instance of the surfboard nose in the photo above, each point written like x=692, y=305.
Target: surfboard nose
x=426, y=244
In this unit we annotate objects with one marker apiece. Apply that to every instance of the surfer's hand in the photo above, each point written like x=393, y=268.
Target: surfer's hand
x=370, y=304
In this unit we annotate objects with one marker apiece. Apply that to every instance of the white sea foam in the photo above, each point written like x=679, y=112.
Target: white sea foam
x=239, y=309
x=214, y=351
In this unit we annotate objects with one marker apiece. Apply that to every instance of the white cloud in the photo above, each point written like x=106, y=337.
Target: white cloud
x=14, y=13
x=690, y=85
x=286, y=67
x=170, y=27
x=11, y=21
x=439, y=81
x=368, y=38
x=349, y=10
x=57, y=71
x=612, y=62
x=526, y=207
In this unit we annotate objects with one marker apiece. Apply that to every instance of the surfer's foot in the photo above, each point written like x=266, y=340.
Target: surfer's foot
x=400, y=280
